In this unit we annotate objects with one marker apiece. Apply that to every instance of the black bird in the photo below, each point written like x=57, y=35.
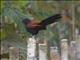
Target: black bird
x=34, y=27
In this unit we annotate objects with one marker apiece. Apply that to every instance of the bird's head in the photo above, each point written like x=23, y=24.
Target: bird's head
x=26, y=21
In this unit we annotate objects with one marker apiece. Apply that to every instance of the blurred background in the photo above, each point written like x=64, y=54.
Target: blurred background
x=61, y=41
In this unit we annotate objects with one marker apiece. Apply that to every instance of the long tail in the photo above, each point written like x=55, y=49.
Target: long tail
x=50, y=20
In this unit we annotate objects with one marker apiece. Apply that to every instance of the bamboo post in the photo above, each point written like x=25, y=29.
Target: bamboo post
x=72, y=50
x=54, y=55
x=37, y=49
x=77, y=45
x=73, y=18
x=13, y=53
x=42, y=51
x=64, y=49
x=73, y=41
x=48, y=50
x=78, y=48
x=32, y=49
x=4, y=55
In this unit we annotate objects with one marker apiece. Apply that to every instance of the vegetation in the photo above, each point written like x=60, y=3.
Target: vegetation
x=13, y=12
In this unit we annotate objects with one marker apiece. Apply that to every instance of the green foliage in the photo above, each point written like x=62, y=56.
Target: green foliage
x=7, y=30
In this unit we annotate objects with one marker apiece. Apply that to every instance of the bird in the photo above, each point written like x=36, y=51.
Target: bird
x=33, y=27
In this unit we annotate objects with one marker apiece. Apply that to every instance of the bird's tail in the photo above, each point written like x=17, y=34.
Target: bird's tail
x=50, y=20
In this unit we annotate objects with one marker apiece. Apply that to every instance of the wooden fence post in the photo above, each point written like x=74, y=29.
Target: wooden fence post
x=31, y=47
x=64, y=49
x=13, y=53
